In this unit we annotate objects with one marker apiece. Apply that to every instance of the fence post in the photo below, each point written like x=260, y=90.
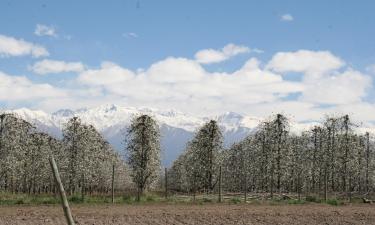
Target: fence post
x=83, y=187
x=113, y=183
x=325, y=186
x=299, y=185
x=194, y=189
x=166, y=182
x=64, y=201
x=245, y=187
x=220, y=180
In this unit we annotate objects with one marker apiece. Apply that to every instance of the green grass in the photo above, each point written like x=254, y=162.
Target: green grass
x=312, y=198
x=235, y=200
x=21, y=199
x=206, y=199
x=156, y=197
x=334, y=202
x=296, y=201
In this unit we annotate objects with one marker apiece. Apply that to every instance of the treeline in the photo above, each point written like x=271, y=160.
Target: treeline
x=84, y=158
x=329, y=158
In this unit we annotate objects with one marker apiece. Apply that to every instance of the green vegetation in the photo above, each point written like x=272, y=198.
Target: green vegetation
x=334, y=202
x=311, y=198
x=20, y=199
x=158, y=197
x=296, y=201
x=235, y=200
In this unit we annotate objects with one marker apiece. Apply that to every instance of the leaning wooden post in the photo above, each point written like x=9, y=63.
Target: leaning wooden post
x=166, y=183
x=64, y=201
x=220, y=180
x=113, y=183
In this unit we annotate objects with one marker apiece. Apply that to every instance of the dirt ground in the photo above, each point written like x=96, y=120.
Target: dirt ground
x=164, y=214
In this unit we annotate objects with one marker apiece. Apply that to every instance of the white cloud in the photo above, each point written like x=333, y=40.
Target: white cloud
x=130, y=35
x=52, y=66
x=175, y=70
x=207, y=56
x=44, y=30
x=305, y=61
x=184, y=84
x=108, y=74
x=287, y=17
x=20, y=88
x=321, y=77
x=343, y=88
x=10, y=46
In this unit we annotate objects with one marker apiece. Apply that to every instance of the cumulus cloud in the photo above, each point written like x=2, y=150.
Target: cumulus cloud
x=343, y=88
x=44, y=30
x=322, y=79
x=287, y=17
x=52, y=66
x=207, y=56
x=108, y=74
x=10, y=46
x=20, y=88
x=255, y=88
x=185, y=84
x=305, y=61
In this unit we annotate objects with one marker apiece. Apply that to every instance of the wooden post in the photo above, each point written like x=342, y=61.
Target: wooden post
x=299, y=186
x=367, y=160
x=113, y=183
x=350, y=189
x=138, y=194
x=194, y=188
x=244, y=168
x=220, y=179
x=245, y=187
x=325, y=186
x=166, y=183
x=83, y=188
x=64, y=201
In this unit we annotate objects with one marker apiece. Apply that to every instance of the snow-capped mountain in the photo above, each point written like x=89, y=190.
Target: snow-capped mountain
x=177, y=128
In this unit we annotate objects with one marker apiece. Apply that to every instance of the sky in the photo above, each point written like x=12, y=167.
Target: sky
x=306, y=59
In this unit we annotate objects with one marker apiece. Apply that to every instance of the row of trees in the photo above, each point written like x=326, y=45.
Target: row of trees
x=328, y=158
x=84, y=158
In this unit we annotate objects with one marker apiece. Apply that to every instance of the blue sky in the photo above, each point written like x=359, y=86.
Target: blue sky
x=117, y=45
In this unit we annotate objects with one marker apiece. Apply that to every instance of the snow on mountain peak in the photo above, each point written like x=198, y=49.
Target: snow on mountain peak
x=107, y=108
x=230, y=117
x=64, y=113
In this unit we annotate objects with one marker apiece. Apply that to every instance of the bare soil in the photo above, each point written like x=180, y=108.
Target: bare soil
x=169, y=214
